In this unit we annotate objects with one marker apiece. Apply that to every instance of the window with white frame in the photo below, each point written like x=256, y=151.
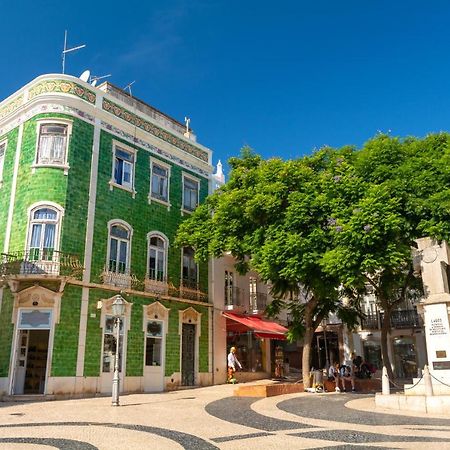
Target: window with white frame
x=2, y=159
x=123, y=167
x=157, y=258
x=52, y=144
x=119, y=248
x=153, y=343
x=190, y=193
x=190, y=269
x=43, y=233
x=159, y=185
x=110, y=344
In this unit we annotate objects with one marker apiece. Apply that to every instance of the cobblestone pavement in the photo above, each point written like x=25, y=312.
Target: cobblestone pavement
x=210, y=418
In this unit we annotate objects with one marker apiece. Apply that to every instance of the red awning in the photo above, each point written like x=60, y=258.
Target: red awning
x=262, y=328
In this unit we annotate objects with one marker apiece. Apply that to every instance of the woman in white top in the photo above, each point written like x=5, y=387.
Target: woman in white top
x=233, y=364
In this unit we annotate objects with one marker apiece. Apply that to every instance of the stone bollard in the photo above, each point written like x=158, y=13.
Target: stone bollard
x=427, y=381
x=385, y=382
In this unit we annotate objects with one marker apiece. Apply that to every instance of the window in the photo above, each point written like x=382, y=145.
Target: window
x=159, y=186
x=190, y=193
x=229, y=276
x=119, y=246
x=253, y=293
x=2, y=159
x=110, y=343
x=52, y=144
x=123, y=167
x=43, y=233
x=157, y=258
x=153, y=344
x=189, y=268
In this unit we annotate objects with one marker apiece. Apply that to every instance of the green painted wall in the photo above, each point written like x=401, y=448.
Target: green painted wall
x=65, y=343
x=6, y=332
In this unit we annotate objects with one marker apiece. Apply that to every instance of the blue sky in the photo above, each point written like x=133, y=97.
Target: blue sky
x=283, y=77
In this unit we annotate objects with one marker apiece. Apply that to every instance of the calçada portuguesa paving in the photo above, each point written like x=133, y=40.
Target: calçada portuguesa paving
x=211, y=417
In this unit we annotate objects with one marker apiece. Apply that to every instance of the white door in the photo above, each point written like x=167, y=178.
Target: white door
x=154, y=356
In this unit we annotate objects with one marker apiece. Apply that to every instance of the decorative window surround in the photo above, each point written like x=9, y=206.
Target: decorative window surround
x=151, y=196
x=3, y=147
x=117, y=275
x=57, y=165
x=131, y=165
x=37, y=230
x=192, y=179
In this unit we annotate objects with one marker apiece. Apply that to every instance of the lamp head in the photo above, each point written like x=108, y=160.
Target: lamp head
x=118, y=306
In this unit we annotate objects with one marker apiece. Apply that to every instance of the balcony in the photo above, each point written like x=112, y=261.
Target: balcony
x=258, y=302
x=156, y=282
x=401, y=318
x=188, y=290
x=233, y=299
x=40, y=263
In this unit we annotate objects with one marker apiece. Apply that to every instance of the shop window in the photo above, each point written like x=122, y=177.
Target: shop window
x=110, y=344
x=153, y=343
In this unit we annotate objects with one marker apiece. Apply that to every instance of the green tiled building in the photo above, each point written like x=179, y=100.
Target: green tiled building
x=93, y=185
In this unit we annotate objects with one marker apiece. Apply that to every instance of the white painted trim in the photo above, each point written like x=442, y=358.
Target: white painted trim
x=50, y=121
x=185, y=175
x=88, y=245
x=168, y=167
x=13, y=190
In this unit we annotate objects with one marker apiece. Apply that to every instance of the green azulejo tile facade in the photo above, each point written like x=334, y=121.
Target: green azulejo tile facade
x=94, y=185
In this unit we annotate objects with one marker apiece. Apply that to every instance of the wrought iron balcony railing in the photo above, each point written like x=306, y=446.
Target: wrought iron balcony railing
x=40, y=262
x=258, y=301
x=233, y=297
x=401, y=318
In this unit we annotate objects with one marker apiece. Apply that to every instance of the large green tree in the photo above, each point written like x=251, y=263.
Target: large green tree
x=273, y=217
x=403, y=194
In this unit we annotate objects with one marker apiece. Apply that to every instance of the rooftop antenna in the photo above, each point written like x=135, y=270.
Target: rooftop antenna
x=128, y=86
x=68, y=50
x=93, y=80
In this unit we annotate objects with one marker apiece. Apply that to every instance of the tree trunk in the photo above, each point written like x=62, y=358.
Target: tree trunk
x=385, y=328
x=307, y=340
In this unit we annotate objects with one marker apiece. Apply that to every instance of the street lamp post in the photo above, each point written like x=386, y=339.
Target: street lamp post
x=118, y=309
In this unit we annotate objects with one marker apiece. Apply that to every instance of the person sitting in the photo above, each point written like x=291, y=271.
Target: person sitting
x=333, y=375
x=356, y=365
x=346, y=375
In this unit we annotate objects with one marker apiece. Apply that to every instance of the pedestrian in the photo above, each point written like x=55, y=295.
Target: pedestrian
x=233, y=364
x=333, y=375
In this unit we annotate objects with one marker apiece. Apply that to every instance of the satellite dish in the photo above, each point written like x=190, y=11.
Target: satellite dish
x=85, y=75
x=94, y=83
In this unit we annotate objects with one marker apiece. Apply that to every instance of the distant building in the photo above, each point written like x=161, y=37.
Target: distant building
x=93, y=185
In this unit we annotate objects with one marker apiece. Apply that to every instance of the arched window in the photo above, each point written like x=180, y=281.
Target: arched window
x=157, y=257
x=119, y=248
x=43, y=232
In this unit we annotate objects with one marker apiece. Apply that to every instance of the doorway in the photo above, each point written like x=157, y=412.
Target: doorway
x=31, y=362
x=188, y=355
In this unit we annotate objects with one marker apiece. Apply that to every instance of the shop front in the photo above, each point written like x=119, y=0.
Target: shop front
x=252, y=336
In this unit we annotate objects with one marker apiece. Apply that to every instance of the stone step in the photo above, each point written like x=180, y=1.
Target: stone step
x=28, y=398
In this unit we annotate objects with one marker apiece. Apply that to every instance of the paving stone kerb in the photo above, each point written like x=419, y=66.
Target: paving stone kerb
x=71, y=192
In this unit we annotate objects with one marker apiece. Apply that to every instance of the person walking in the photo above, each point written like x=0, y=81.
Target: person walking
x=233, y=364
